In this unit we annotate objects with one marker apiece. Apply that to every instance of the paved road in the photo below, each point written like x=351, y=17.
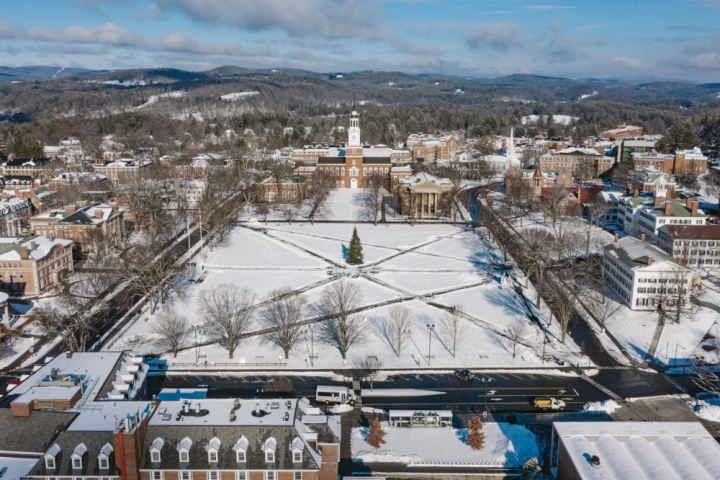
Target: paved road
x=502, y=393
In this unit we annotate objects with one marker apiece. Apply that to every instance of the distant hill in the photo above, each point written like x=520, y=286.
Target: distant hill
x=29, y=74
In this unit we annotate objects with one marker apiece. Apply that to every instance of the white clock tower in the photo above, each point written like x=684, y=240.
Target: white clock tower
x=354, y=130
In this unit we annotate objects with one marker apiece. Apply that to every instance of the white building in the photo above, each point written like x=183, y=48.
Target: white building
x=639, y=273
x=611, y=200
x=695, y=245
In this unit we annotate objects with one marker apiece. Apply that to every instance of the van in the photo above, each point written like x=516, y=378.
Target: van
x=328, y=394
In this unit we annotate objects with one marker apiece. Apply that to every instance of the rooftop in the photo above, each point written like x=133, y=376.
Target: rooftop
x=693, y=232
x=216, y=412
x=657, y=450
x=635, y=253
x=10, y=247
x=33, y=434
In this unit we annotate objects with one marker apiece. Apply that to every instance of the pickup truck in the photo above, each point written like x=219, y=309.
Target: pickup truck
x=549, y=403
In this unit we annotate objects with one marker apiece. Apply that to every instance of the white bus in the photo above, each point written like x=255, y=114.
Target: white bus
x=326, y=394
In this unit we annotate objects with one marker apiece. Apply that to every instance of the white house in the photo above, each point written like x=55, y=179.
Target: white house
x=640, y=273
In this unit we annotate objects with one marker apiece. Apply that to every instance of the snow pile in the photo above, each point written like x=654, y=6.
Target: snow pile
x=399, y=392
x=608, y=406
x=372, y=410
x=234, y=96
x=505, y=446
x=708, y=411
x=342, y=408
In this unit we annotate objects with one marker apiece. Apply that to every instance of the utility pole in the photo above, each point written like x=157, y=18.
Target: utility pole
x=430, y=327
x=197, y=350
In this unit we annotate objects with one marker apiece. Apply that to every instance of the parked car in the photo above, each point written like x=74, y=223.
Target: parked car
x=465, y=375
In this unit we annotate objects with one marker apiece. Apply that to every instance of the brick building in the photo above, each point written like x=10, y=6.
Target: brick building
x=14, y=215
x=30, y=169
x=622, y=132
x=31, y=266
x=81, y=224
x=573, y=158
x=432, y=148
x=681, y=162
x=539, y=179
x=41, y=199
x=287, y=189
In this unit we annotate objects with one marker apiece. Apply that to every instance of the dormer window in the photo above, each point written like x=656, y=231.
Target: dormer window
x=241, y=449
x=269, y=456
x=297, y=456
x=77, y=456
x=104, y=457
x=213, y=448
x=155, y=450
x=296, y=447
x=50, y=463
x=241, y=456
x=184, y=449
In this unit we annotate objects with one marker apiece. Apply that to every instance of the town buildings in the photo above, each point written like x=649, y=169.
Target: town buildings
x=432, y=148
x=611, y=202
x=25, y=171
x=120, y=170
x=30, y=266
x=695, y=245
x=644, y=214
x=624, y=149
x=79, y=416
x=83, y=224
x=622, y=132
x=41, y=199
x=645, y=277
x=682, y=161
x=422, y=195
x=287, y=189
x=14, y=215
x=538, y=179
x=575, y=158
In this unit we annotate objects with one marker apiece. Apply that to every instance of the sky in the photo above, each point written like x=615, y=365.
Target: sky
x=629, y=39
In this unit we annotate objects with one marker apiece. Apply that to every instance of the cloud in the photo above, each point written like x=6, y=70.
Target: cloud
x=628, y=62
x=501, y=36
x=560, y=47
x=115, y=35
x=152, y=12
x=315, y=18
x=411, y=48
x=703, y=55
x=8, y=31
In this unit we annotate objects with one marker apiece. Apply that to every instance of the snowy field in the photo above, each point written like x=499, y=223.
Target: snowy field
x=427, y=268
x=505, y=446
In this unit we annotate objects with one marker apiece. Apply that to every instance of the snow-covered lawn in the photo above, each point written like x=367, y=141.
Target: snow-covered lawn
x=426, y=268
x=505, y=446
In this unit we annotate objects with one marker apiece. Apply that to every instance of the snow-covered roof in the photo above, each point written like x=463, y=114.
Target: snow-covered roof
x=270, y=445
x=102, y=415
x=185, y=444
x=241, y=444
x=80, y=450
x=297, y=444
x=578, y=151
x=632, y=450
x=158, y=443
x=635, y=253
x=218, y=411
x=213, y=444
x=424, y=177
x=54, y=450
x=11, y=250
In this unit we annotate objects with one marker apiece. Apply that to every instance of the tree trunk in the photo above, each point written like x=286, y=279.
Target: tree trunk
x=174, y=353
x=231, y=351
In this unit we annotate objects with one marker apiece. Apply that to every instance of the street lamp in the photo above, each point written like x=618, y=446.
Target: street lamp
x=430, y=327
x=485, y=381
x=197, y=351
x=676, y=349
x=312, y=344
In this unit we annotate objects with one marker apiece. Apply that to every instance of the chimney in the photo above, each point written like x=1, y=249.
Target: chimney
x=657, y=201
x=689, y=202
x=680, y=260
x=51, y=236
x=649, y=260
x=68, y=354
x=695, y=206
x=5, y=195
x=636, y=193
x=33, y=245
x=642, y=237
x=668, y=208
x=617, y=237
x=98, y=213
x=69, y=209
x=24, y=253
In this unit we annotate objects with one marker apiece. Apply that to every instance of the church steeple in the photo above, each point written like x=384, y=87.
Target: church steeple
x=510, y=155
x=354, y=130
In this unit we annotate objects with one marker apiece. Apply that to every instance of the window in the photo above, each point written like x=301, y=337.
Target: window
x=50, y=462
x=184, y=457
x=154, y=456
x=105, y=478
x=212, y=456
x=297, y=456
x=240, y=475
x=270, y=475
x=298, y=476
x=104, y=463
x=240, y=456
x=157, y=475
x=269, y=456
x=77, y=463
x=185, y=475
x=213, y=475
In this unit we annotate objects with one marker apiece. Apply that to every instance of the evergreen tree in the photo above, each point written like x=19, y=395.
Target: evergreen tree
x=376, y=435
x=355, y=254
x=476, y=437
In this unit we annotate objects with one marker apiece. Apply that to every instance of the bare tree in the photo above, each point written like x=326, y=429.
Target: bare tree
x=368, y=369
x=151, y=272
x=400, y=327
x=173, y=330
x=283, y=317
x=373, y=196
x=318, y=192
x=516, y=333
x=562, y=302
x=290, y=210
x=263, y=208
x=601, y=309
x=672, y=294
x=518, y=197
x=339, y=326
x=535, y=257
x=227, y=313
x=454, y=329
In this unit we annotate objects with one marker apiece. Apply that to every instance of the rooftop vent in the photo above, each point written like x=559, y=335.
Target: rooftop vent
x=595, y=461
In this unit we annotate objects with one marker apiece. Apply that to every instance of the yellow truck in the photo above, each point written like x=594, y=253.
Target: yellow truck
x=549, y=403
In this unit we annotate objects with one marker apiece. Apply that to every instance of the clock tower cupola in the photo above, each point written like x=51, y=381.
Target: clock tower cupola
x=354, y=130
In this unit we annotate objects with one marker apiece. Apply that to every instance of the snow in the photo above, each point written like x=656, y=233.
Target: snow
x=562, y=119
x=234, y=96
x=154, y=98
x=342, y=408
x=607, y=406
x=372, y=410
x=16, y=468
x=589, y=95
x=505, y=446
x=427, y=268
x=399, y=392
x=709, y=409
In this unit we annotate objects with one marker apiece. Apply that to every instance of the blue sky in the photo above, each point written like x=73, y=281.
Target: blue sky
x=666, y=39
